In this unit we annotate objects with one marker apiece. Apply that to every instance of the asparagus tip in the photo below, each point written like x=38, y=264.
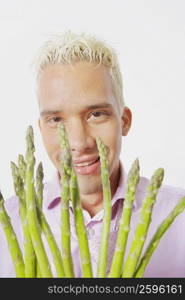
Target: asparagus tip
x=12, y=164
x=40, y=173
x=14, y=167
x=20, y=158
x=29, y=131
x=133, y=174
x=157, y=177
x=30, y=148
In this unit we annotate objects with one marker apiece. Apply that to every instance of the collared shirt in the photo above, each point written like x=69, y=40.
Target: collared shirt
x=168, y=259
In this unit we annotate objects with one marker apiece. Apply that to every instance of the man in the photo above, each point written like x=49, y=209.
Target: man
x=79, y=83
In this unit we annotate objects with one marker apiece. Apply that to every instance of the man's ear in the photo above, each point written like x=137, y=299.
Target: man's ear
x=126, y=120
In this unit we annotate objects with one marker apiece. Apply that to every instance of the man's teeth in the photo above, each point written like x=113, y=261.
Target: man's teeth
x=85, y=163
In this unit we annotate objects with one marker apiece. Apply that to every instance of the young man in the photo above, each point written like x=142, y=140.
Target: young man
x=79, y=83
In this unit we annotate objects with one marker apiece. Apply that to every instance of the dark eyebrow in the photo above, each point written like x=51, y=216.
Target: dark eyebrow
x=93, y=106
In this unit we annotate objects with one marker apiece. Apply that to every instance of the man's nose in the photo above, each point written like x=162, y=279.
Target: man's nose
x=79, y=136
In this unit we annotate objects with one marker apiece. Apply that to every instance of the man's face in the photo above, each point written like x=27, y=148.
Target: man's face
x=81, y=97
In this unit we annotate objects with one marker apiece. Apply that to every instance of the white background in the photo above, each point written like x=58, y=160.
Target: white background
x=149, y=36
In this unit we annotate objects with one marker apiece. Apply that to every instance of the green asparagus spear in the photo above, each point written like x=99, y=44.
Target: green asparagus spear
x=65, y=197
x=179, y=208
x=22, y=167
x=18, y=186
x=124, y=225
x=38, y=201
x=12, y=241
x=143, y=225
x=103, y=254
x=22, y=173
x=80, y=227
x=44, y=224
x=31, y=208
x=29, y=253
x=39, y=185
x=57, y=259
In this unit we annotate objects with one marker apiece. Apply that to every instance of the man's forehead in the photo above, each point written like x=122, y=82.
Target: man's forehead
x=82, y=92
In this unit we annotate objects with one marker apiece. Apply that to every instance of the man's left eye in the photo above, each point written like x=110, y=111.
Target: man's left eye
x=98, y=113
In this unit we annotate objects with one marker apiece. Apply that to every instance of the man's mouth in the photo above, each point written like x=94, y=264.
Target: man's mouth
x=88, y=163
x=87, y=168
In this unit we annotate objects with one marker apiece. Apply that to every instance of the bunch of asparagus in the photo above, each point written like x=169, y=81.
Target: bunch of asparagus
x=34, y=262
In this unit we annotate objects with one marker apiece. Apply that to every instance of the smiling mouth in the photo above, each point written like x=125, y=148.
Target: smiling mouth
x=86, y=163
x=88, y=168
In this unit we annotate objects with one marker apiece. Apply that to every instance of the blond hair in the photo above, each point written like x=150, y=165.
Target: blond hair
x=69, y=48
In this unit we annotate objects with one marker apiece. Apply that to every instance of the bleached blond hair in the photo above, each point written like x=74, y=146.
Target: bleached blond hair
x=69, y=48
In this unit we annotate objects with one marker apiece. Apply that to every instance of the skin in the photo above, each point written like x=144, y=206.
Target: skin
x=65, y=93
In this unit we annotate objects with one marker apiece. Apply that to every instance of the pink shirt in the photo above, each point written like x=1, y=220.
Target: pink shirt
x=168, y=259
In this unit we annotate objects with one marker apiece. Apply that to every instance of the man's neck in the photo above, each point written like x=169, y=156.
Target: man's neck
x=92, y=203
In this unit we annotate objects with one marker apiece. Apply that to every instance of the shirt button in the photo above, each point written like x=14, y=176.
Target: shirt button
x=90, y=232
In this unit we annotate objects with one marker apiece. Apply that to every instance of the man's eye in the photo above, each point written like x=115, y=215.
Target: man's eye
x=98, y=113
x=54, y=120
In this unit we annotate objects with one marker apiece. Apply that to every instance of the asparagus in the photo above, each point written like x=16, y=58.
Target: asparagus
x=143, y=225
x=38, y=198
x=31, y=214
x=57, y=259
x=65, y=197
x=124, y=225
x=22, y=167
x=39, y=185
x=18, y=186
x=12, y=241
x=38, y=272
x=29, y=253
x=45, y=226
x=103, y=254
x=179, y=208
x=80, y=227
x=22, y=173
x=31, y=207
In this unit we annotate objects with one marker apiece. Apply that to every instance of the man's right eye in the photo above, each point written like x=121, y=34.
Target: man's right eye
x=56, y=119
x=53, y=121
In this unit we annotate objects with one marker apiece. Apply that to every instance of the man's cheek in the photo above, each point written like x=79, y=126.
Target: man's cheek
x=51, y=141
